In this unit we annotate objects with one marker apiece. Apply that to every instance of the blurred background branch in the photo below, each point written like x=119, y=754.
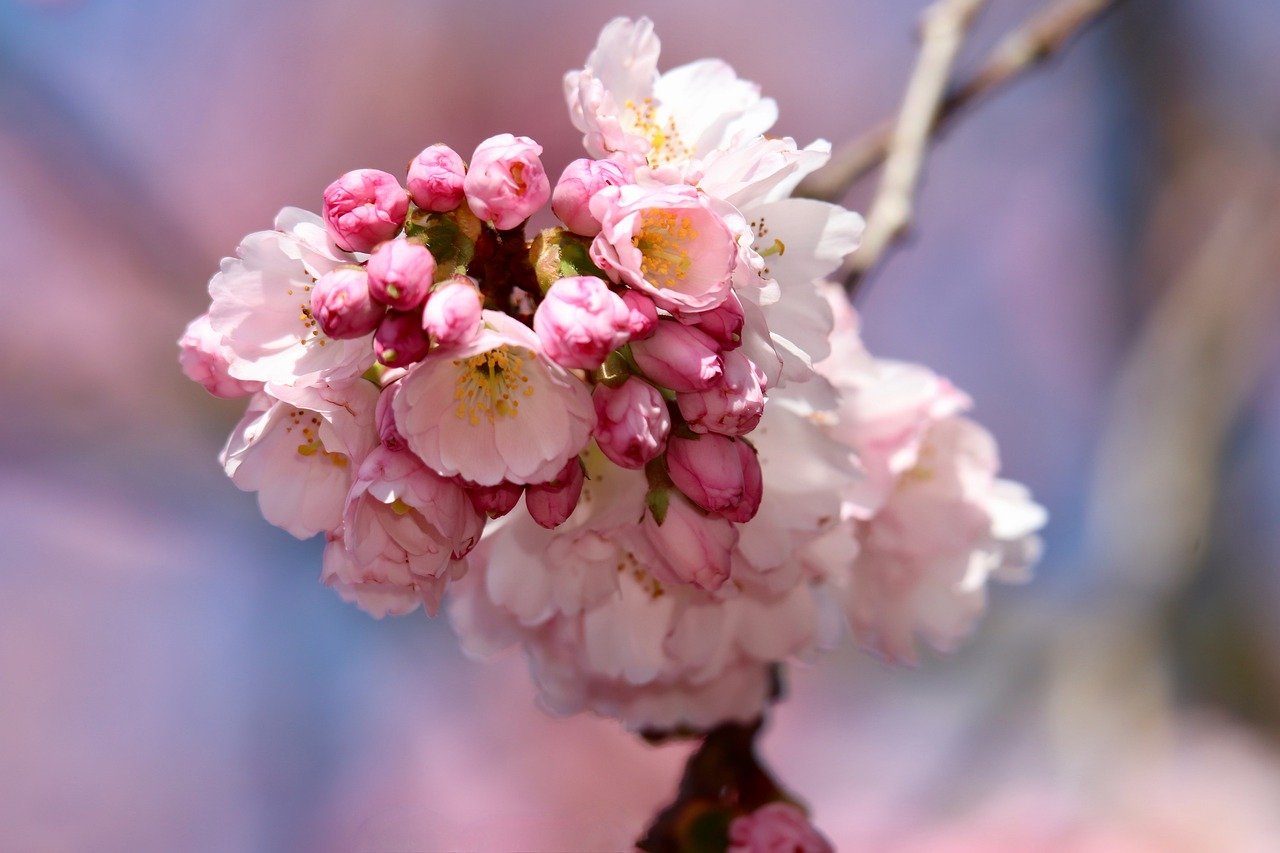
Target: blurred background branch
x=928, y=107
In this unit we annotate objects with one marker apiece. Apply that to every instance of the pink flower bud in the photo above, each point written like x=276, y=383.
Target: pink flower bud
x=581, y=321
x=678, y=357
x=550, y=504
x=494, y=501
x=580, y=180
x=694, y=547
x=400, y=274
x=204, y=359
x=385, y=419
x=643, y=321
x=733, y=405
x=342, y=306
x=632, y=422
x=719, y=474
x=776, y=826
x=723, y=323
x=435, y=179
x=506, y=182
x=363, y=208
x=453, y=313
x=400, y=340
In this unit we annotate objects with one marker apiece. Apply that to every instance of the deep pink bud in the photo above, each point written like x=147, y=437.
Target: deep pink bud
x=453, y=311
x=719, y=474
x=385, y=419
x=435, y=178
x=400, y=274
x=400, y=340
x=342, y=306
x=550, y=504
x=679, y=357
x=632, y=422
x=733, y=405
x=643, y=320
x=580, y=180
x=494, y=501
x=694, y=547
x=506, y=182
x=723, y=323
x=581, y=321
x=363, y=208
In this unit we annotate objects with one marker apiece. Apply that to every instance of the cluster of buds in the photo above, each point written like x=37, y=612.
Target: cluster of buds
x=654, y=396
x=496, y=359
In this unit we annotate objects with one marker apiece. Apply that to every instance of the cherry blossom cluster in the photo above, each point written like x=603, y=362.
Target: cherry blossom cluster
x=646, y=444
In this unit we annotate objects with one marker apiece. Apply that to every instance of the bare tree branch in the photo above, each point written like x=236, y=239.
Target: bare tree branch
x=942, y=32
x=1021, y=50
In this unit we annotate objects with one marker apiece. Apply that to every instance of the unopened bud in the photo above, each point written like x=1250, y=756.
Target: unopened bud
x=342, y=306
x=582, y=179
x=494, y=501
x=400, y=274
x=550, y=504
x=435, y=179
x=453, y=312
x=678, y=357
x=363, y=208
x=632, y=422
x=580, y=322
x=506, y=182
x=400, y=340
x=720, y=474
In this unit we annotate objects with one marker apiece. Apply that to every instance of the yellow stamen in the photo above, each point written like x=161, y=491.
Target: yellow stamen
x=663, y=241
x=487, y=384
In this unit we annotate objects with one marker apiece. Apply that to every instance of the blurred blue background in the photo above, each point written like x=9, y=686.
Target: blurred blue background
x=1095, y=260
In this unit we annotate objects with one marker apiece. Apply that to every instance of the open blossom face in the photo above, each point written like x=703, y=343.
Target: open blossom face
x=300, y=454
x=626, y=110
x=495, y=409
x=667, y=242
x=262, y=307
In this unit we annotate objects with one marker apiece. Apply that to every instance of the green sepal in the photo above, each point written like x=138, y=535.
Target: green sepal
x=658, y=500
x=451, y=237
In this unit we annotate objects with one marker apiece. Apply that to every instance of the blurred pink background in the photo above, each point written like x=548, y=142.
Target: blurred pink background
x=1095, y=261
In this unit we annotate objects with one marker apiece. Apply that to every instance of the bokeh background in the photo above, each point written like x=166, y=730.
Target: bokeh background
x=1096, y=260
